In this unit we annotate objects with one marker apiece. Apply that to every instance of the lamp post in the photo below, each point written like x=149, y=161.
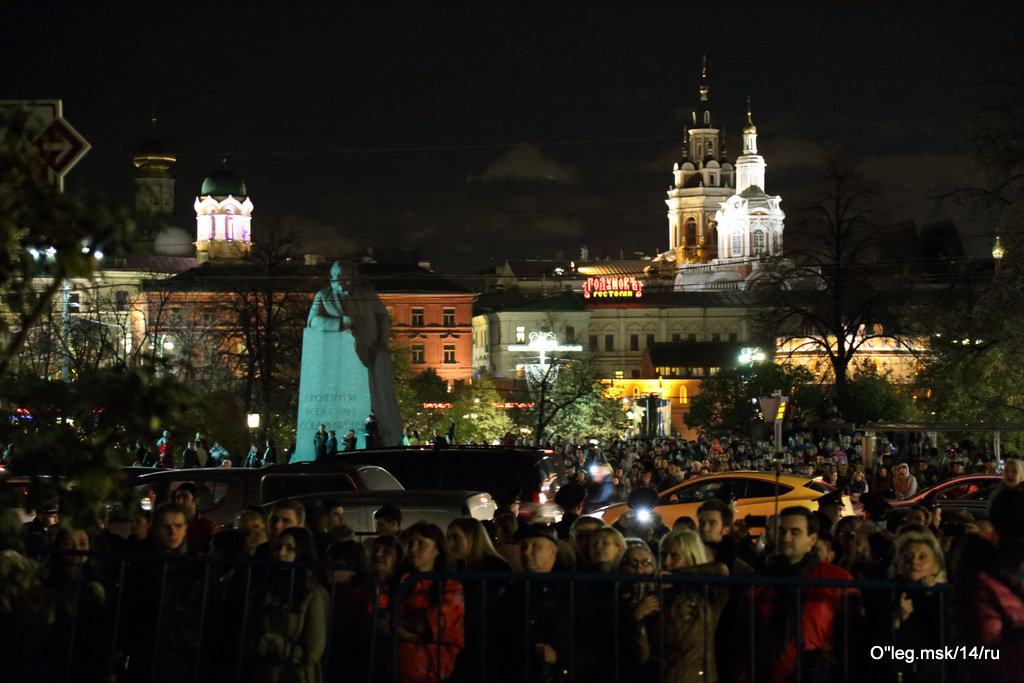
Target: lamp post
x=253, y=420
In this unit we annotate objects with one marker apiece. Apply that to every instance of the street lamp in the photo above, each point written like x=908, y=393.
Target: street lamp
x=253, y=420
x=998, y=252
x=750, y=355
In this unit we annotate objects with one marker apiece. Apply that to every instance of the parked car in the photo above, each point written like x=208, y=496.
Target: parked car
x=436, y=507
x=226, y=491
x=529, y=475
x=754, y=492
x=21, y=493
x=951, y=489
x=969, y=493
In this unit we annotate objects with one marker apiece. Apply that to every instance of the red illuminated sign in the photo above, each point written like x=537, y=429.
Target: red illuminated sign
x=613, y=287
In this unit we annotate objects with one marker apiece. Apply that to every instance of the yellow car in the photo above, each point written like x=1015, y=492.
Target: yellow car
x=754, y=493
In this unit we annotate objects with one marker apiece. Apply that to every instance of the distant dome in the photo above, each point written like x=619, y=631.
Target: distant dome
x=154, y=148
x=223, y=183
x=173, y=242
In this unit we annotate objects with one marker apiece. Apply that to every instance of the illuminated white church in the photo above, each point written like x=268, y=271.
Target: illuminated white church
x=721, y=222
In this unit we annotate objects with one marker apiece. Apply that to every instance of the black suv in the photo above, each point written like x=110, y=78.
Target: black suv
x=529, y=475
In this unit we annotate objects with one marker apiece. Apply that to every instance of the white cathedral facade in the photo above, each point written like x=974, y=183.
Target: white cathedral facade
x=721, y=222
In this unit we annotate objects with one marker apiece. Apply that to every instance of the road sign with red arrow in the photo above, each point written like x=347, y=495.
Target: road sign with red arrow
x=59, y=144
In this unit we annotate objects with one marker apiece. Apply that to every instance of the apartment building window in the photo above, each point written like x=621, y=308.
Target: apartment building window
x=733, y=337
x=716, y=336
x=418, y=354
x=449, y=317
x=634, y=342
x=593, y=343
x=417, y=317
x=691, y=337
x=570, y=334
x=520, y=334
x=650, y=339
x=609, y=342
x=449, y=353
x=121, y=298
x=676, y=337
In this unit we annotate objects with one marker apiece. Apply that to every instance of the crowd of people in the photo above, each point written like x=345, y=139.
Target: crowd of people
x=293, y=595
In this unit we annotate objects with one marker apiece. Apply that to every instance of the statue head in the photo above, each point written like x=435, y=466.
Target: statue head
x=342, y=275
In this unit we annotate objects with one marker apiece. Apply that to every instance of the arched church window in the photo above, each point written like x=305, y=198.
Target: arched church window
x=691, y=231
x=736, y=249
x=759, y=242
x=707, y=118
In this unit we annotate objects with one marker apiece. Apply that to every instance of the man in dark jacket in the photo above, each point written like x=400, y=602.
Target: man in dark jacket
x=533, y=641
x=162, y=598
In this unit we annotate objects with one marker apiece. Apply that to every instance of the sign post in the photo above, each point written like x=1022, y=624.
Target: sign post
x=59, y=144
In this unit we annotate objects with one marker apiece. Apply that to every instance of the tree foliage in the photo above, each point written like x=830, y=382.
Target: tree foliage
x=831, y=295
x=975, y=371
x=45, y=236
x=727, y=403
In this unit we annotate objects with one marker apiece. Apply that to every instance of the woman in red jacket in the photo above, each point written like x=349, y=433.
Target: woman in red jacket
x=430, y=616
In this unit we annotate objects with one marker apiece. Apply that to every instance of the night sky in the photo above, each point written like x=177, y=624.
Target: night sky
x=475, y=132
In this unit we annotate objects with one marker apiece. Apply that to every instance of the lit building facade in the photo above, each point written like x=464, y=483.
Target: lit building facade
x=435, y=327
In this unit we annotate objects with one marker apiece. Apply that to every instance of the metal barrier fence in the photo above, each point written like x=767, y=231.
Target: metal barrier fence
x=152, y=617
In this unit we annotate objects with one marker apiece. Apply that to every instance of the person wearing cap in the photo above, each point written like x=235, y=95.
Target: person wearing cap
x=830, y=509
x=42, y=530
x=875, y=509
x=532, y=641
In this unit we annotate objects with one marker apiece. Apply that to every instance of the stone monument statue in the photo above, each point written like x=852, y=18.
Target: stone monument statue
x=346, y=364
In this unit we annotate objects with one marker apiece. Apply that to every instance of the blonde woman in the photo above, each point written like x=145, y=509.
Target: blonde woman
x=917, y=616
x=605, y=547
x=686, y=620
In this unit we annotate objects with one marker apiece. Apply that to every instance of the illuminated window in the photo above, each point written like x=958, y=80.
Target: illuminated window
x=759, y=242
x=619, y=374
x=609, y=342
x=449, y=353
x=417, y=317
x=634, y=342
x=520, y=334
x=449, y=317
x=418, y=355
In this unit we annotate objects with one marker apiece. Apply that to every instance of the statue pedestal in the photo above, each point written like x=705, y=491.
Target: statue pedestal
x=334, y=390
